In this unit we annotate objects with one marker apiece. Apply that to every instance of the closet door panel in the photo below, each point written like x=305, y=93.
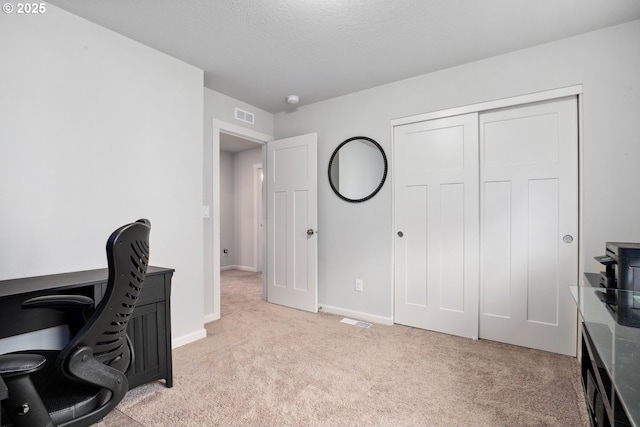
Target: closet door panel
x=436, y=216
x=451, y=280
x=496, y=246
x=416, y=261
x=543, y=254
x=532, y=149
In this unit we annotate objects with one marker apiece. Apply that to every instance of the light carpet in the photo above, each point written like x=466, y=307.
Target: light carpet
x=266, y=365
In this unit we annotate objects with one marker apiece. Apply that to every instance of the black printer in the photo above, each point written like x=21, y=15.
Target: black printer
x=621, y=278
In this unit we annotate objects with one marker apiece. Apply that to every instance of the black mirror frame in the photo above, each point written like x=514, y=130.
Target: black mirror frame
x=384, y=175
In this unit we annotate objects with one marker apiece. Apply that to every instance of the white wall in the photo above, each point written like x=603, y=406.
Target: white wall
x=237, y=208
x=222, y=107
x=227, y=208
x=244, y=211
x=95, y=131
x=356, y=239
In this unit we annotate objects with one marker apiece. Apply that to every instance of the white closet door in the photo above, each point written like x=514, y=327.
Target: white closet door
x=436, y=217
x=529, y=225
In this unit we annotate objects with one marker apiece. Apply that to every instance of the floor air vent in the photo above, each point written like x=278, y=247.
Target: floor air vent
x=356, y=323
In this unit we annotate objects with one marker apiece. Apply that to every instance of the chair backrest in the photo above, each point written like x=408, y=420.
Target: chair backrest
x=106, y=329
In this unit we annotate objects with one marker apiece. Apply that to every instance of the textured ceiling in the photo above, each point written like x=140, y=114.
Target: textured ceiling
x=260, y=51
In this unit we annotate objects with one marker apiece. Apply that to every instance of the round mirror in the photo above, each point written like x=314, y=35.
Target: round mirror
x=357, y=169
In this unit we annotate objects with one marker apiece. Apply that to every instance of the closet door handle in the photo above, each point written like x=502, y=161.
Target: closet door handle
x=400, y=234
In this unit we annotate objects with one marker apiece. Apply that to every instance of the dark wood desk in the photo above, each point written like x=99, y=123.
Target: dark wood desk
x=149, y=328
x=609, y=361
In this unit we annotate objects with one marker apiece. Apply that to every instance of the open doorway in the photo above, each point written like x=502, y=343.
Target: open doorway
x=213, y=233
x=240, y=204
x=240, y=222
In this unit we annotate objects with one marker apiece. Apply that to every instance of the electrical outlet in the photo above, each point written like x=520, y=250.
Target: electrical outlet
x=359, y=285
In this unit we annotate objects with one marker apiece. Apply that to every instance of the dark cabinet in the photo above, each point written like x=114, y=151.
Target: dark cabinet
x=150, y=332
x=603, y=401
x=149, y=329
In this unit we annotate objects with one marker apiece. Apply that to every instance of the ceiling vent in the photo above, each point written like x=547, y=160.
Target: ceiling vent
x=245, y=116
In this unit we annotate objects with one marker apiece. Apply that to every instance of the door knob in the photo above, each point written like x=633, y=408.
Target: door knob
x=400, y=234
x=310, y=232
x=568, y=238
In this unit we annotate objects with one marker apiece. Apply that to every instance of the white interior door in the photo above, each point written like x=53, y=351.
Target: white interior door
x=529, y=225
x=436, y=216
x=292, y=218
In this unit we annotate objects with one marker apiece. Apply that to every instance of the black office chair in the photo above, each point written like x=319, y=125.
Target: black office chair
x=83, y=382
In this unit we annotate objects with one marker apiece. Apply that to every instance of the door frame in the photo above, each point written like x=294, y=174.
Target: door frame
x=514, y=101
x=251, y=135
x=258, y=216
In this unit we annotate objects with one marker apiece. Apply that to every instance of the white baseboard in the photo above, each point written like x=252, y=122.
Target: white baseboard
x=189, y=338
x=243, y=268
x=210, y=318
x=357, y=315
x=239, y=267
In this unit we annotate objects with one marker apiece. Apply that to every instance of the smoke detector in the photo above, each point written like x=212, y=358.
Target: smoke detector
x=293, y=99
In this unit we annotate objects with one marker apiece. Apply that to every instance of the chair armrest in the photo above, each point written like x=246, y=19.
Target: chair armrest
x=59, y=302
x=20, y=364
x=22, y=403
x=75, y=307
